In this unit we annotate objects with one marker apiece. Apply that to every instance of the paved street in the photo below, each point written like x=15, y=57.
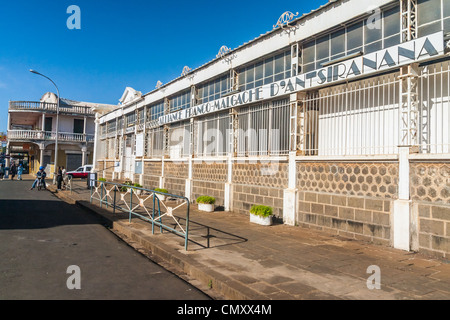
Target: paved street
x=242, y=260
x=41, y=236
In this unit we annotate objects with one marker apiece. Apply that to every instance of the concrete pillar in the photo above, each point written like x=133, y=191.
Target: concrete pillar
x=161, y=179
x=188, y=185
x=96, y=142
x=41, y=154
x=404, y=219
x=290, y=194
x=228, y=192
x=7, y=160
x=83, y=155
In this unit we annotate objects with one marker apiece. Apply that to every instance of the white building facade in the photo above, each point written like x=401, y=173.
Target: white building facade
x=338, y=119
x=32, y=132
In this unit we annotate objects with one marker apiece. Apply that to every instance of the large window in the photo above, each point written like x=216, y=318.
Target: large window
x=130, y=119
x=179, y=139
x=214, y=89
x=180, y=102
x=264, y=129
x=111, y=126
x=155, y=111
x=433, y=16
x=271, y=69
x=365, y=36
x=212, y=135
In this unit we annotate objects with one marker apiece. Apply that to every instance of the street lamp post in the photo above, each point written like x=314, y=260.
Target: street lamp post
x=57, y=123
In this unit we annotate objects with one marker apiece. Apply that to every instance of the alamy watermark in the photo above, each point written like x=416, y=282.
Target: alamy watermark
x=374, y=281
x=74, y=20
x=74, y=280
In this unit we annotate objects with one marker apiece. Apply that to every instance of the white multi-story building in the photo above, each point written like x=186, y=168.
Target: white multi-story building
x=338, y=119
x=32, y=132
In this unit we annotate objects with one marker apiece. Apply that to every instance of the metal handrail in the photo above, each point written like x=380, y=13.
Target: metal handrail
x=101, y=193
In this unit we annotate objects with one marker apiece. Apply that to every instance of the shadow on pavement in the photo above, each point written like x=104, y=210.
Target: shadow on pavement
x=40, y=214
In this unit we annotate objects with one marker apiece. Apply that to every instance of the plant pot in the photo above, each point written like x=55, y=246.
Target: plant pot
x=207, y=207
x=161, y=197
x=264, y=221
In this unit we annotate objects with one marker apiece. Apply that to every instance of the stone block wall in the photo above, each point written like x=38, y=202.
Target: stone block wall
x=109, y=169
x=209, y=179
x=361, y=218
x=367, y=179
x=259, y=184
x=209, y=188
x=152, y=173
x=175, y=175
x=352, y=199
x=430, y=193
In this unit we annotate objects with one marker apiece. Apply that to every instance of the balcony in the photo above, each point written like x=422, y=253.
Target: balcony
x=50, y=107
x=37, y=135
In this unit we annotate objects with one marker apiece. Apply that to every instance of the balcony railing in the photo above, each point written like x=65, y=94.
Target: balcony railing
x=45, y=135
x=49, y=107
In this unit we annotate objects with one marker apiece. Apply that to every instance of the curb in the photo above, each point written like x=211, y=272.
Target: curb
x=211, y=282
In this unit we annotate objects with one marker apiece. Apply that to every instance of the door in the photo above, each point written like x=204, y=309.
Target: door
x=127, y=163
x=48, y=124
x=78, y=126
x=73, y=161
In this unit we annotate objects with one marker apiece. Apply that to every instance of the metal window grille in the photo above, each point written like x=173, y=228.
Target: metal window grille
x=434, y=115
x=155, y=143
x=264, y=129
x=212, y=135
x=359, y=118
x=179, y=140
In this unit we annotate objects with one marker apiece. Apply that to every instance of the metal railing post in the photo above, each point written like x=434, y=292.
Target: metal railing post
x=101, y=196
x=151, y=216
x=114, y=204
x=131, y=204
x=187, y=227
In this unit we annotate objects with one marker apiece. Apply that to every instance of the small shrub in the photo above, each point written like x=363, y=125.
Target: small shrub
x=102, y=179
x=124, y=188
x=261, y=210
x=206, y=200
x=161, y=190
x=137, y=185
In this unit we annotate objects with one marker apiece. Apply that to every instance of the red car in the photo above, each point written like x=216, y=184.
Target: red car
x=81, y=172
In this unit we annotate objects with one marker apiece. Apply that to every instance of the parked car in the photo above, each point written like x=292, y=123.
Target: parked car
x=81, y=172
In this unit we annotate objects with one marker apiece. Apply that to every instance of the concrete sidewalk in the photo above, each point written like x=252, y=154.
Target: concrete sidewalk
x=230, y=258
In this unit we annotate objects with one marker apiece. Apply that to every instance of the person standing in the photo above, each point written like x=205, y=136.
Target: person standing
x=2, y=170
x=59, y=178
x=64, y=178
x=19, y=172
x=12, y=170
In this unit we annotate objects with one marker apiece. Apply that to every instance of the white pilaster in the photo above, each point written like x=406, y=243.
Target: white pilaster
x=401, y=215
x=290, y=194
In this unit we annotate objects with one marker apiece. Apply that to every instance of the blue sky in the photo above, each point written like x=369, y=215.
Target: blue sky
x=131, y=43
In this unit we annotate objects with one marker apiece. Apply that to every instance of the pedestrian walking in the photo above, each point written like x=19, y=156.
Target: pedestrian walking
x=19, y=172
x=13, y=170
x=2, y=170
x=59, y=177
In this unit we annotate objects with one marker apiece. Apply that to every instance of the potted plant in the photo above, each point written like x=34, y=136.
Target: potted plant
x=161, y=197
x=206, y=203
x=261, y=215
x=125, y=188
x=138, y=191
